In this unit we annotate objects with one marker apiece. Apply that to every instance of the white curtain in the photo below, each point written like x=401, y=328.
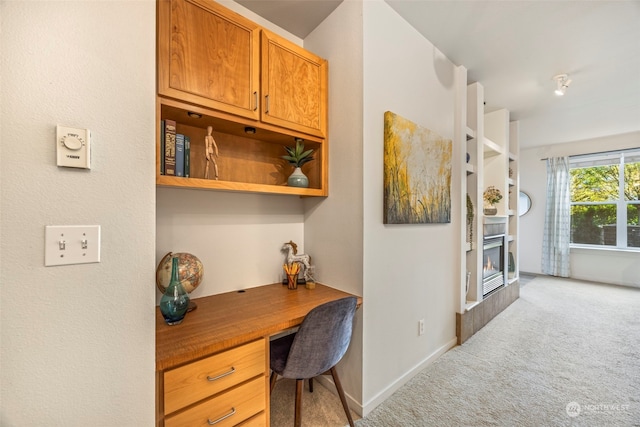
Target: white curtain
x=557, y=222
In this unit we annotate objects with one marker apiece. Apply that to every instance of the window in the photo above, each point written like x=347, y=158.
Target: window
x=605, y=199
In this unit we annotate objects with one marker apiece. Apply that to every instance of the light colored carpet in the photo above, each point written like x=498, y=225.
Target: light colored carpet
x=562, y=345
x=565, y=353
x=322, y=408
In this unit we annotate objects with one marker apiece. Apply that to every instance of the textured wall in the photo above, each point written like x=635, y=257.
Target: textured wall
x=77, y=341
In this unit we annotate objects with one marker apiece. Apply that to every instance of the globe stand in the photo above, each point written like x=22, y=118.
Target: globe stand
x=192, y=306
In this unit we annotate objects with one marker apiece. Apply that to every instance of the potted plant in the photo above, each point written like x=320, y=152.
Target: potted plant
x=491, y=196
x=297, y=156
x=470, y=216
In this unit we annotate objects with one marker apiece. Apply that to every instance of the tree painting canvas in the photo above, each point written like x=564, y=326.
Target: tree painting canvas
x=417, y=173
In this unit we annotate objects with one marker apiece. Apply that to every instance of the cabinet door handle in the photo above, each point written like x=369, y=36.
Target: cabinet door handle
x=217, y=377
x=255, y=101
x=267, y=102
x=222, y=418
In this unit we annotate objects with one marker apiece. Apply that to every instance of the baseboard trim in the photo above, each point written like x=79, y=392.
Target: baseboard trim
x=394, y=386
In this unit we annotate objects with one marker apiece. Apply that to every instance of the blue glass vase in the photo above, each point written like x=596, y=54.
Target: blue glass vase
x=175, y=300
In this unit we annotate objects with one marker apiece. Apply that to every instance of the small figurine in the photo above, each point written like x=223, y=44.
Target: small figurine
x=211, y=152
x=292, y=256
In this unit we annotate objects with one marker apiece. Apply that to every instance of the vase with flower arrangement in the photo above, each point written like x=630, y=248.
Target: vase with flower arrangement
x=491, y=197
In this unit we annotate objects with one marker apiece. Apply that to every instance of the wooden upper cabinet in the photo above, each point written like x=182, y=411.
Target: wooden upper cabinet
x=294, y=86
x=208, y=56
x=258, y=92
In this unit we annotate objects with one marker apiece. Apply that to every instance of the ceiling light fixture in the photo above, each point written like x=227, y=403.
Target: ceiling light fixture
x=562, y=83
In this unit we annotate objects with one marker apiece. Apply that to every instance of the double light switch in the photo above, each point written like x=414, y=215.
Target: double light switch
x=71, y=244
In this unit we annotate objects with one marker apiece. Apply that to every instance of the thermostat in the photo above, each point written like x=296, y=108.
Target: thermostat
x=73, y=147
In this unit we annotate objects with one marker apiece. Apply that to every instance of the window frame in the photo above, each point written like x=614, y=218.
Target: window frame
x=604, y=159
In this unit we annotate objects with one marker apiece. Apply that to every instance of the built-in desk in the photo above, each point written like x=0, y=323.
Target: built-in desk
x=215, y=364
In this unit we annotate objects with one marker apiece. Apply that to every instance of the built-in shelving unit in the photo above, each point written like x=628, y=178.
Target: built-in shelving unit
x=491, y=148
x=490, y=158
x=470, y=133
x=480, y=147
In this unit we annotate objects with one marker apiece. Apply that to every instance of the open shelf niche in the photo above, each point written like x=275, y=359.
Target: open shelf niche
x=250, y=153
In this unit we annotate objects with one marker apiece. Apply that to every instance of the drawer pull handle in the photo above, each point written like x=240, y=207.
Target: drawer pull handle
x=221, y=375
x=255, y=100
x=267, y=102
x=222, y=418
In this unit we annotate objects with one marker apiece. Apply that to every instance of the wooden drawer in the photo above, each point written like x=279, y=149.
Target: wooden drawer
x=228, y=409
x=198, y=380
x=259, y=420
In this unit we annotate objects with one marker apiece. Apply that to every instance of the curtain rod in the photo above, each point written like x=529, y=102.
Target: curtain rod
x=599, y=152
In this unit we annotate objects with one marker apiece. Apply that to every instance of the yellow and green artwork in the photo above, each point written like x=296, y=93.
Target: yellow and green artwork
x=417, y=173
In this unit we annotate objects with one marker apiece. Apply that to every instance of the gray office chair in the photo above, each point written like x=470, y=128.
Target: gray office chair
x=315, y=349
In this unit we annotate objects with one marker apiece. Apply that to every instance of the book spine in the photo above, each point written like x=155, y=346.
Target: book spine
x=170, y=147
x=179, y=155
x=187, y=156
x=162, y=147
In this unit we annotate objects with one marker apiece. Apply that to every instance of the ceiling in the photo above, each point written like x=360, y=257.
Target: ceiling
x=514, y=48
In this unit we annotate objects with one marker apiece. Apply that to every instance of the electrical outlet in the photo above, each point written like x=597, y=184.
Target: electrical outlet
x=421, y=327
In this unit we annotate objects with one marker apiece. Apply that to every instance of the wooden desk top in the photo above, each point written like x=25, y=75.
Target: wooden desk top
x=226, y=320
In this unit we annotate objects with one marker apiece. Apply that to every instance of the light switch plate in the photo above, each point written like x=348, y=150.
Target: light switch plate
x=73, y=147
x=71, y=244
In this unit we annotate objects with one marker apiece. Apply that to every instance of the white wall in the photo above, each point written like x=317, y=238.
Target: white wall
x=333, y=226
x=600, y=265
x=238, y=237
x=238, y=8
x=77, y=341
x=409, y=270
x=377, y=62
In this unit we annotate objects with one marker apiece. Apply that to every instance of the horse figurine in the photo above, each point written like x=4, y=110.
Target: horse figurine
x=292, y=256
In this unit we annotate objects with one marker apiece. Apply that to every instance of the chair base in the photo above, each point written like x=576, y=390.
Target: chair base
x=299, y=387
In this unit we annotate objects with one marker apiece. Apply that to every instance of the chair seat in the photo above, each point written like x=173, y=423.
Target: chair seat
x=279, y=351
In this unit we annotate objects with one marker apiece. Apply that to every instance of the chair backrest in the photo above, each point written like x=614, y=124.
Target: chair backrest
x=322, y=340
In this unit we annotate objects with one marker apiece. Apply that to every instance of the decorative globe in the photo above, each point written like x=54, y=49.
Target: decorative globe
x=190, y=271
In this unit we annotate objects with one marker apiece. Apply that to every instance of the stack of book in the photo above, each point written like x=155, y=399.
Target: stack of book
x=175, y=151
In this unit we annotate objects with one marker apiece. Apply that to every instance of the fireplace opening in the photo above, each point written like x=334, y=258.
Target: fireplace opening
x=493, y=264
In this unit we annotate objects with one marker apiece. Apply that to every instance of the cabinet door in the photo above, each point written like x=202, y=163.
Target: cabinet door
x=209, y=56
x=294, y=86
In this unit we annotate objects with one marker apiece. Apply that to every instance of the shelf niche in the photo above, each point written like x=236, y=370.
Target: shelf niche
x=246, y=162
